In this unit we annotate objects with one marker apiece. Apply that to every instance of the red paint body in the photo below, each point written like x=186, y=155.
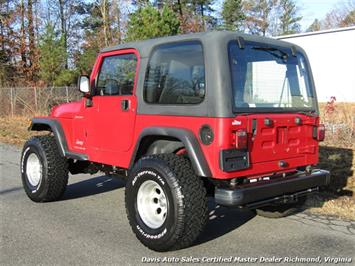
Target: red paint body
x=108, y=135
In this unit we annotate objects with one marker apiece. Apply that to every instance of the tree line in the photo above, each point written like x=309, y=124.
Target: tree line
x=51, y=42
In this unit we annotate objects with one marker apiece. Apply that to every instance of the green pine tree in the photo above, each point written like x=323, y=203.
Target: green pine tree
x=232, y=14
x=289, y=18
x=86, y=59
x=149, y=22
x=52, y=55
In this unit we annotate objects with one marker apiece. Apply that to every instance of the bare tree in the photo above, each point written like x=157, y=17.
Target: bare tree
x=342, y=15
x=117, y=15
x=63, y=24
x=23, y=35
x=31, y=42
x=258, y=15
x=104, y=15
x=315, y=26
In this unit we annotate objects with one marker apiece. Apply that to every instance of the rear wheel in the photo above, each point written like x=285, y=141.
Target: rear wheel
x=281, y=210
x=166, y=202
x=44, y=171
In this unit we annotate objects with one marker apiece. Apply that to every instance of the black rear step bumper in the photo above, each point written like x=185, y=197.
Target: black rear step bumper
x=283, y=189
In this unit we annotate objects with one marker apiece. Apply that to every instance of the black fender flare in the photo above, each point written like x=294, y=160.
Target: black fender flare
x=48, y=124
x=189, y=140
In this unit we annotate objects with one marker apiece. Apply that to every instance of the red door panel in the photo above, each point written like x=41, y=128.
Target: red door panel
x=115, y=125
x=111, y=122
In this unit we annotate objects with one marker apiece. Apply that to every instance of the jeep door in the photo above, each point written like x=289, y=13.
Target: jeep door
x=112, y=120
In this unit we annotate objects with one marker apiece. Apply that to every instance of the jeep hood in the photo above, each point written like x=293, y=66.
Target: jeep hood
x=66, y=110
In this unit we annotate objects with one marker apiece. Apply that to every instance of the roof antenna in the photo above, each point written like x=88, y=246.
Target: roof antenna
x=240, y=41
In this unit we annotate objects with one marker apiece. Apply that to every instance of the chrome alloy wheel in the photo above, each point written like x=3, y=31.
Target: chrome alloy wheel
x=33, y=169
x=152, y=204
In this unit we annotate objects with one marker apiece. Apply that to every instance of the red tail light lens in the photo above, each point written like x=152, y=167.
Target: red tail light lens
x=241, y=139
x=321, y=132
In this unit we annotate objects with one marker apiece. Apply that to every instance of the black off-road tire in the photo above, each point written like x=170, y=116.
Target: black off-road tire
x=281, y=210
x=187, y=210
x=54, y=174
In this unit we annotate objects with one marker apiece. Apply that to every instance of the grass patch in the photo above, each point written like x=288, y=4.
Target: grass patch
x=327, y=204
x=13, y=130
x=337, y=155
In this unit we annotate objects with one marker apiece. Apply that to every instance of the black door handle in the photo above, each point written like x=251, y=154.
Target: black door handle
x=124, y=105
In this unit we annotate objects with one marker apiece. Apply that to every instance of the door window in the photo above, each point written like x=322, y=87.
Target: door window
x=117, y=75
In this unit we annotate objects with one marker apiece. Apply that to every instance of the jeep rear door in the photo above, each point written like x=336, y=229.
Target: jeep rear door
x=274, y=96
x=276, y=137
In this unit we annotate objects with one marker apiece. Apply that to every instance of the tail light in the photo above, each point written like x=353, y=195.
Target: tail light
x=241, y=139
x=321, y=132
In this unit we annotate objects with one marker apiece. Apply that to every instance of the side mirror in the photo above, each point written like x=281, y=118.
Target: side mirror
x=84, y=84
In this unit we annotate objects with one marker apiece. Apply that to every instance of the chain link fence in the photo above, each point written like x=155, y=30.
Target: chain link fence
x=32, y=100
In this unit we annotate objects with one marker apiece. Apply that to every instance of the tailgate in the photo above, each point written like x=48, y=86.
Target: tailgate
x=276, y=137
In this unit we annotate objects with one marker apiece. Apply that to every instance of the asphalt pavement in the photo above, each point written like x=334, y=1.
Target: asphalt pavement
x=89, y=227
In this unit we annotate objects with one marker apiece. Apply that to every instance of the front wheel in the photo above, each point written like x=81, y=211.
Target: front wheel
x=166, y=202
x=44, y=171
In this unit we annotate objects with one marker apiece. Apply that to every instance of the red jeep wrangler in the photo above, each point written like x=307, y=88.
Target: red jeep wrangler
x=211, y=114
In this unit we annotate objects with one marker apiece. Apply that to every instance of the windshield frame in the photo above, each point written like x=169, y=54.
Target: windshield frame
x=290, y=52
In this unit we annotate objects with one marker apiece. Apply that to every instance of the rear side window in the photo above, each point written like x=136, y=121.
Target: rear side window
x=176, y=74
x=117, y=75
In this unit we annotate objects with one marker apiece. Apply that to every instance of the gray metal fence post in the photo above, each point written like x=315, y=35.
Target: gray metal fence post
x=11, y=102
x=67, y=93
x=36, y=101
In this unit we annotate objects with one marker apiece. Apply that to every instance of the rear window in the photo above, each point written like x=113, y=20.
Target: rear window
x=175, y=74
x=269, y=77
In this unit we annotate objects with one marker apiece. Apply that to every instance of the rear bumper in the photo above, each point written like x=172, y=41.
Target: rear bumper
x=281, y=189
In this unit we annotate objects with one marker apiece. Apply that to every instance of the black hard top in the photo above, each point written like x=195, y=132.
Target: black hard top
x=218, y=98
x=144, y=47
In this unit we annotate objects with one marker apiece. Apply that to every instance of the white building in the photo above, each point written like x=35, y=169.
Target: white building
x=332, y=57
